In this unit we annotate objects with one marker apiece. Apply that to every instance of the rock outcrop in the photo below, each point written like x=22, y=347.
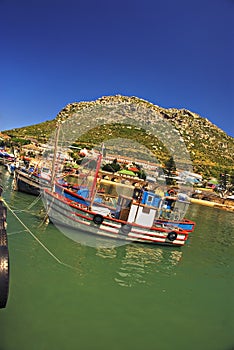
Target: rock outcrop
x=211, y=149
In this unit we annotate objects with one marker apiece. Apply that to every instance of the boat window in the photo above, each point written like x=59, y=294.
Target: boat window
x=150, y=199
x=146, y=210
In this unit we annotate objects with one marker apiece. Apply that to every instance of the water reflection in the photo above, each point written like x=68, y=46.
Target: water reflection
x=137, y=263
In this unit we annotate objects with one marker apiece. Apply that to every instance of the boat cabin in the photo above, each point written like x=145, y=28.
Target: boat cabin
x=174, y=208
x=143, y=208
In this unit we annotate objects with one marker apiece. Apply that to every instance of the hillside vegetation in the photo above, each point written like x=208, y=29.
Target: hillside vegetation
x=211, y=149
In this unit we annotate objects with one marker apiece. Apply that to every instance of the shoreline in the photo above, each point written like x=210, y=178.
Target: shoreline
x=212, y=204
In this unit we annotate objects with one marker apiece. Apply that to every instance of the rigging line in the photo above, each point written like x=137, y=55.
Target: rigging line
x=16, y=210
x=35, y=201
x=46, y=217
x=37, y=239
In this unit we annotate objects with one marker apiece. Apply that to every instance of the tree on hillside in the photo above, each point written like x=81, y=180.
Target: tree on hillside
x=170, y=168
x=112, y=167
x=226, y=184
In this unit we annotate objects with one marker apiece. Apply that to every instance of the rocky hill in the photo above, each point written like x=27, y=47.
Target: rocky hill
x=211, y=149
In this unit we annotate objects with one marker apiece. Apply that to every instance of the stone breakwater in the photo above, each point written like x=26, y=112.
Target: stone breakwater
x=214, y=201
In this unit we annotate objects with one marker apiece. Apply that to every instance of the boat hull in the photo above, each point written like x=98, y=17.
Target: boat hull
x=28, y=184
x=185, y=224
x=76, y=217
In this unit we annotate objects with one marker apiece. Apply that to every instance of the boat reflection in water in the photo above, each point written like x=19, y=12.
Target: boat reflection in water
x=139, y=262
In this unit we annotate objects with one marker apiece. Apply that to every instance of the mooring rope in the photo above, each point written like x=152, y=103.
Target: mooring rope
x=37, y=239
x=34, y=202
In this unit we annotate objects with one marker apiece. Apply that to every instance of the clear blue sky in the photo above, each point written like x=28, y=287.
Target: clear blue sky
x=173, y=53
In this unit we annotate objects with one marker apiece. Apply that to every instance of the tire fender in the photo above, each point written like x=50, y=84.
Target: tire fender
x=3, y=237
x=98, y=219
x=172, y=236
x=4, y=276
x=126, y=228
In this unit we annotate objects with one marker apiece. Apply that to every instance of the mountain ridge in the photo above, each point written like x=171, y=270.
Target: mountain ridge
x=211, y=149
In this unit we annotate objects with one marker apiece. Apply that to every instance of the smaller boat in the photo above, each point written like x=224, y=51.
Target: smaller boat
x=6, y=158
x=10, y=168
x=30, y=182
x=12, y=165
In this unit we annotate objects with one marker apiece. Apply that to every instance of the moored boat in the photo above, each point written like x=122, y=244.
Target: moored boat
x=128, y=223
x=29, y=182
x=137, y=217
x=10, y=167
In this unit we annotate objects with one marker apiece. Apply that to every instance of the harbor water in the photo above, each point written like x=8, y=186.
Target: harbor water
x=67, y=296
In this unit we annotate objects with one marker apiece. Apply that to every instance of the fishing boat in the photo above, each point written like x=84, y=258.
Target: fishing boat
x=171, y=209
x=31, y=182
x=6, y=156
x=134, y=218
x=11, y=166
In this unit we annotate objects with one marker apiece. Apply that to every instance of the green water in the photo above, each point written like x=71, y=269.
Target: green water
x=132, y=297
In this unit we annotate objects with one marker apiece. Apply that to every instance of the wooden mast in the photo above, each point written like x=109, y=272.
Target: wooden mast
x=55, y=155
x=93, y=188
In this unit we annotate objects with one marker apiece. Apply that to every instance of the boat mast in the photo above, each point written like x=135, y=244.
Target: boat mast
x=55, y=154
x=93, y=188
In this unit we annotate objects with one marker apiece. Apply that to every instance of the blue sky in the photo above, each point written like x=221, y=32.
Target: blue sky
x=172, y=53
